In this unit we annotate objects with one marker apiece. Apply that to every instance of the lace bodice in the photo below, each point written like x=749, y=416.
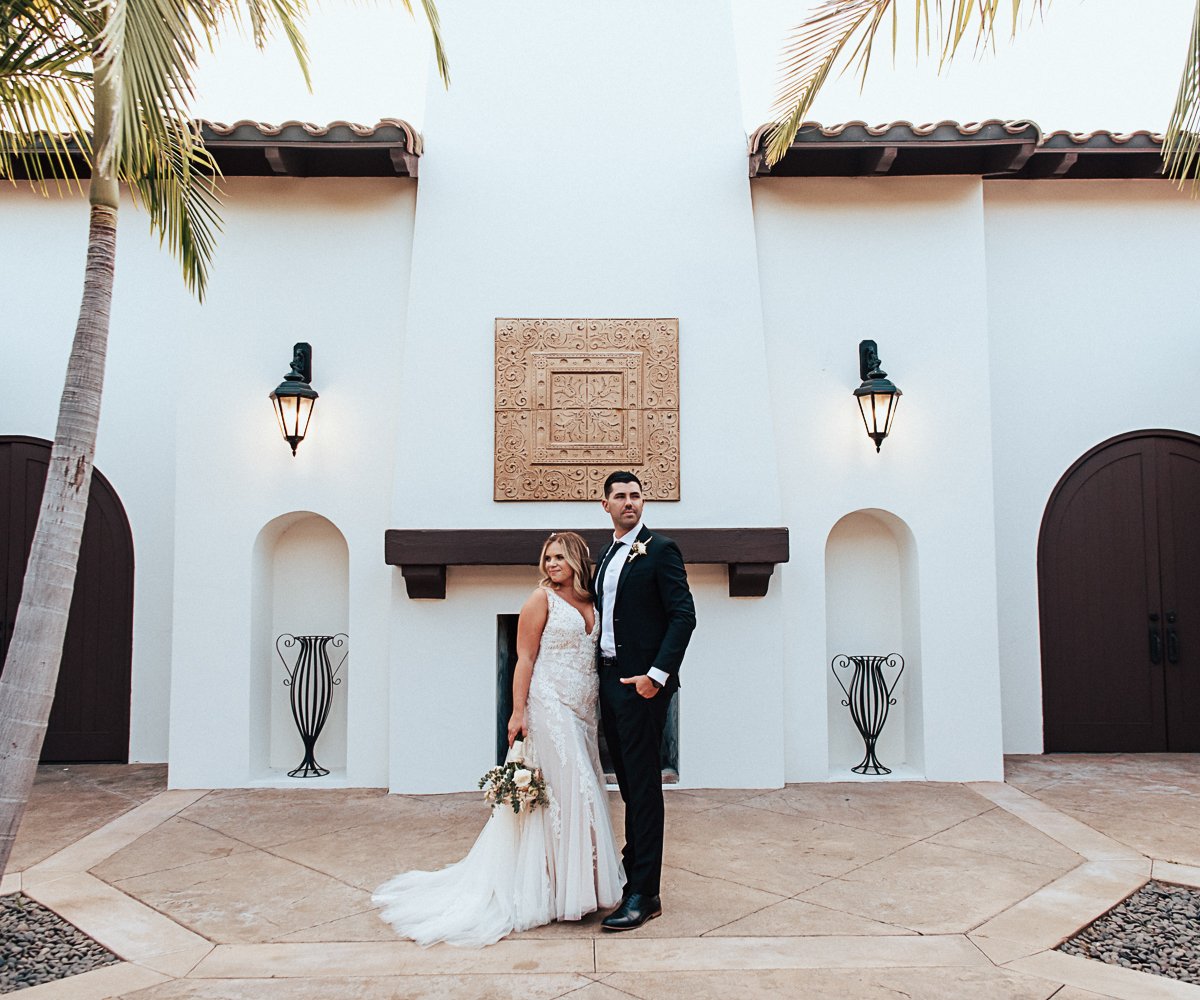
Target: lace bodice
x=565, y=669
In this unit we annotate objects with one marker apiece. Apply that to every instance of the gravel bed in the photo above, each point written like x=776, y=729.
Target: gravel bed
x=1155, y=930
x=37, y=946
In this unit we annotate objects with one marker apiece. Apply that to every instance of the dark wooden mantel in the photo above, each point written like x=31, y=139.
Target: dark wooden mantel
x=423, y=555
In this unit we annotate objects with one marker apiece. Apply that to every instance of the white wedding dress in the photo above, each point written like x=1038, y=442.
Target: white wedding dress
x=557, y=862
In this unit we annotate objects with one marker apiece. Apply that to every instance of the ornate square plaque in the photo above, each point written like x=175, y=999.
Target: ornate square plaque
x=578, y=398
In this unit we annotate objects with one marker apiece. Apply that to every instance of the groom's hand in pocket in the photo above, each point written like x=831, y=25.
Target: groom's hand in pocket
x=642, y=684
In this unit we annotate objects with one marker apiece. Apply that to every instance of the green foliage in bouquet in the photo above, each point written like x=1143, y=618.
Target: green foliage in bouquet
x=514, y=784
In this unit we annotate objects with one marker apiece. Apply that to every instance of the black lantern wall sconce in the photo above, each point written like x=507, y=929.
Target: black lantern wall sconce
x=294, y=397
x=877, y=396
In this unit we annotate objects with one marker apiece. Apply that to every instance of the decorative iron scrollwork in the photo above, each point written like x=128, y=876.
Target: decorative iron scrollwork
x=310, y=682
x=869, y=698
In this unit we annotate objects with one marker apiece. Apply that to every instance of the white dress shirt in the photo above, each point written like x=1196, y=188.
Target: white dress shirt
x=614, y=566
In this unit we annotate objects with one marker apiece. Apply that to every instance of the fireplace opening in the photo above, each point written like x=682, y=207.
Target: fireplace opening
x=506, y=665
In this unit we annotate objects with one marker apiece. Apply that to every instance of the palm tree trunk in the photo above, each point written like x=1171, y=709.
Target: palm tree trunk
x=31, y=667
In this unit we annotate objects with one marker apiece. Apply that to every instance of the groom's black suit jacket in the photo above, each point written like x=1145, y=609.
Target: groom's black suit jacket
x=654, y=615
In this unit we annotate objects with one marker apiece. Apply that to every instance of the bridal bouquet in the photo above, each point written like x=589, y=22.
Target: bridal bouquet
x=514, y=784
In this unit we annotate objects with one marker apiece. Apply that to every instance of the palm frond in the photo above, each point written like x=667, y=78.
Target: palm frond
x=429, y=7
x=1181, y=144
x=267, y=16
x=45, y=91
x=809, y=57
x=435, y=28
x=850, y=28
x=152, y=48
x=118, y=75
x=182, y=197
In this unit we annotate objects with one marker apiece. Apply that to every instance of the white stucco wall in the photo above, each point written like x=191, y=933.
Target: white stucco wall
x=622, y=193
x=42, y=247
x=891, y=260
x=325, y=261
x=1091, y=305
x=188, y=440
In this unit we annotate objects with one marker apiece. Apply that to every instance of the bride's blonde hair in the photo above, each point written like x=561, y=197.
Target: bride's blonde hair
x=575, y=551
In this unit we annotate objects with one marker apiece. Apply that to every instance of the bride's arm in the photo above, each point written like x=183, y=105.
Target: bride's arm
x=529, y=641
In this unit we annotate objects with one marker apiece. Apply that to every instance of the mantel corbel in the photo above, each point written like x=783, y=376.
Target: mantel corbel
x=751, y=554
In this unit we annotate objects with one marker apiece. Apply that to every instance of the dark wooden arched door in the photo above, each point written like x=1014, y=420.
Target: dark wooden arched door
x=1119, y=598
x=90, y=717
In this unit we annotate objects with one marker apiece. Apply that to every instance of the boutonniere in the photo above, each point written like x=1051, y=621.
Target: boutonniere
x=638, y=549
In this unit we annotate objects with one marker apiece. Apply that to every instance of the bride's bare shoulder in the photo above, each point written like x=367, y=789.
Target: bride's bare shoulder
x=538, y=600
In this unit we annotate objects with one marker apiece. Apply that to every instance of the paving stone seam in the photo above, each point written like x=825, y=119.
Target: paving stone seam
x=332, y=920
x=997, y=807
x=82, y=922
x=92, y=783
x=250, y=847
x=975, y=945
x=315, y=871
x=830, y=909
x=220, y=833
x=731, y=881
x=615, y=989
x=1099, y=978
x=1036, y=807
x=867, y=829
x=100, y=834
x=765, y=906
x=192, y=968
x=269, y=848
x=1004, y=857
x=1177, y=824
x=167, y=868
x=1028, y=895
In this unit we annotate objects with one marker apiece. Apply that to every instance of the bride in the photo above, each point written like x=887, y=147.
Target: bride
x=557, y=862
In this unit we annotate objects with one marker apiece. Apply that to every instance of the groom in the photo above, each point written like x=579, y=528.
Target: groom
x=646, y=619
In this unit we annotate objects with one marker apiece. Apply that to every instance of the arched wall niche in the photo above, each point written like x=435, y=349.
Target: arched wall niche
x=872, y=606
x=301, y=585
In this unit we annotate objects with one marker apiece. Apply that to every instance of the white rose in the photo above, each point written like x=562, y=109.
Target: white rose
x=522, y=778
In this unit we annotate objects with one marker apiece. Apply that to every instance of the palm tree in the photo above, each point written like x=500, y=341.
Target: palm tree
x=111, y=81
x=845, y=32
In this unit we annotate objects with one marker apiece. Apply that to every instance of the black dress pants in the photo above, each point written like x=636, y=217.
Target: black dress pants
x=633, y=729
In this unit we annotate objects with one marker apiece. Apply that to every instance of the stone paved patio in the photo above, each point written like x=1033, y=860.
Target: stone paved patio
x=843, y=890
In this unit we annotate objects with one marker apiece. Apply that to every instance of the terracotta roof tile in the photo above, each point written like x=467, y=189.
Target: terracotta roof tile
x=389, y=148
x=384, y=130
x=1102, y=136
x=993, y=148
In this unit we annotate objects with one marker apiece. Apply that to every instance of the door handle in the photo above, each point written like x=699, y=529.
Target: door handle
x=1155, y=641
x=1172, y=639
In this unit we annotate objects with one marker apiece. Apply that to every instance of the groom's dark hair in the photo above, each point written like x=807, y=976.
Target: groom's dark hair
x=620, y=477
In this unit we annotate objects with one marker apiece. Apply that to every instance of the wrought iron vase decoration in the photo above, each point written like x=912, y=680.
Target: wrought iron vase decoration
x=869, y=698
x=310, y=682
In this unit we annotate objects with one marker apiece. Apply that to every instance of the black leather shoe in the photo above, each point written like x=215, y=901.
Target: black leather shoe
x=633, y=912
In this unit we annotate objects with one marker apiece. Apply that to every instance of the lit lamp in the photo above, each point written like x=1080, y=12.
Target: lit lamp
x=877, y=396
x=294, y=397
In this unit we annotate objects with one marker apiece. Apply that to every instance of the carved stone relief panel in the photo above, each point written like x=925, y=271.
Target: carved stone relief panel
x=578, y=398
